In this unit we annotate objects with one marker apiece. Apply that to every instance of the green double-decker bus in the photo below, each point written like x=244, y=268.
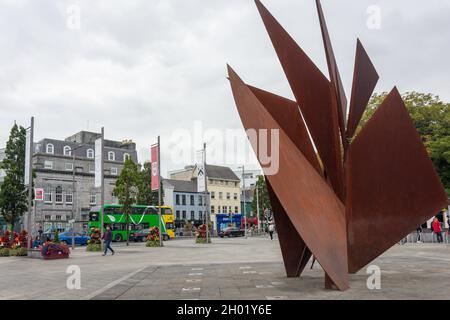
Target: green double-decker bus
x=141, y=217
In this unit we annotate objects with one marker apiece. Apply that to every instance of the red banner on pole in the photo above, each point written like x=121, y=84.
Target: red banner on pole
x=154, y=161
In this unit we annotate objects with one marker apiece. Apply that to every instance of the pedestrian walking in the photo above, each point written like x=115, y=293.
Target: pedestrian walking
x=419, y=234
x=271, y=230
x=436, y=226
x=107, y=237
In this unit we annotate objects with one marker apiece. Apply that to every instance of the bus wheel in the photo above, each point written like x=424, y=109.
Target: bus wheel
x=118, y=237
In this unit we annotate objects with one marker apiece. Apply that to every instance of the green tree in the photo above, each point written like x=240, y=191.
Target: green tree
x=126, y=190
x=146, y=196
x=263, y=197
x=13, y=192
x=431, y=117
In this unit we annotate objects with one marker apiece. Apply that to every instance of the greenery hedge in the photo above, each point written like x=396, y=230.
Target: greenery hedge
x=152, y=244
x=202, y=240
x=94, y=247
x=19, y=252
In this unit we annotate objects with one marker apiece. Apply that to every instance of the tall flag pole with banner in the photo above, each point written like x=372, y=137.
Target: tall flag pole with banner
x=28, y=175
x=99, y=172
x=156, y=180
x=202, y=185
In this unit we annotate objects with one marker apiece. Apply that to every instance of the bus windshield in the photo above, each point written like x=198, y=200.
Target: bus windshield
x=94, y=216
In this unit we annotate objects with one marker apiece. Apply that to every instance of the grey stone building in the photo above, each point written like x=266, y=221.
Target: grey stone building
x=69, y=190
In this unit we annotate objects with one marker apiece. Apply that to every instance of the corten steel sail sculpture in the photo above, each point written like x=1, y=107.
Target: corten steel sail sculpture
x=355, y=197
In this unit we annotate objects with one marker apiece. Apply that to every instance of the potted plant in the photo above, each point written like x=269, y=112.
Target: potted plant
x=153, y=238
x=200, y=235
x=94, y=244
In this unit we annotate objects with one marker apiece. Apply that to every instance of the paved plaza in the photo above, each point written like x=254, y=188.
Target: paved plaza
x=227, y=269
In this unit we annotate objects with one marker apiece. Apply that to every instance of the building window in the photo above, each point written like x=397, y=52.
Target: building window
x=220, y=195
x=92, y=198
x=224, y=209
x=114, y=171
x=48, y=164
x=68, y=166
x=177, y=199
x=48, y=195
x=229, y=209
x=235, y=196
x=213, y=195
x=192, y=215
x=67, y=151
x=90, y=153
x=126, y=156
x=200, y=200
x=178, y=214
x=200, y=215
x=91, y=168
x=184, y=214
x=183, y=200
x=58, y=194
x=50, y=148
x=228, y=196
x=111, y=156
x=58, y=217
x=68, y=197
x=218, y=209
x=47, y=217
x=192, y=200
x=212, y=209
x=236, y=209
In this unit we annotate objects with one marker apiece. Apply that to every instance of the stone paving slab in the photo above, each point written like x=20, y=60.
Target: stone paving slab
x=227, y=269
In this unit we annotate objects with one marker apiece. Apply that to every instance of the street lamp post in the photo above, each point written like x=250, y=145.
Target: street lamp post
x=245, y=209
x=73, y=193
x=257, y=208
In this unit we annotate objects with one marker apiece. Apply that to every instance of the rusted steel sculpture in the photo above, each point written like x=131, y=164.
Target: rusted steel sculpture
x=355, y=197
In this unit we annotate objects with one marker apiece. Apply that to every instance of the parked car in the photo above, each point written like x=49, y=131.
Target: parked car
x=231, y=232
x=80, y=239
x=141, y=235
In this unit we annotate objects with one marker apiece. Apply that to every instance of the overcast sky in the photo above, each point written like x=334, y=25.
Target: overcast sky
x=147, y=68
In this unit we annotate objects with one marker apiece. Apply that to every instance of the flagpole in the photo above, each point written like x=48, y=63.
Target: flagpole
x=206, y=194
x=159, y=193
x=30, y=177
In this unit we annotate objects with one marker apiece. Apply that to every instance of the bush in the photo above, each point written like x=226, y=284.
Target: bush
x=202, y=240
x=151, y=243
x=4, y=252
x=93, y=247
x=21, y=252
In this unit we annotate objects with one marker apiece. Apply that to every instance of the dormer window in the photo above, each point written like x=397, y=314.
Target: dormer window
x=111, y=156
x=90, y=153
x=126, y=156
x=50, y=148
x=67, y=151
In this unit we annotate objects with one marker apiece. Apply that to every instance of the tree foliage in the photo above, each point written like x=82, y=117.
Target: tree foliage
x=263, y=197
x=13, y=192
x=146, y=196
x=127, y=188
x=431, y=117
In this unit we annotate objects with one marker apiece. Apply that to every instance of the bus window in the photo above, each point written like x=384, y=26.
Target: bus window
x=138, y=210
x=151, y=210
x=167, y=211
x=169, y=225
x=93, y=216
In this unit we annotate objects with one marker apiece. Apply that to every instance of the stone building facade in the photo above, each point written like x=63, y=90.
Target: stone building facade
x=69, y=191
